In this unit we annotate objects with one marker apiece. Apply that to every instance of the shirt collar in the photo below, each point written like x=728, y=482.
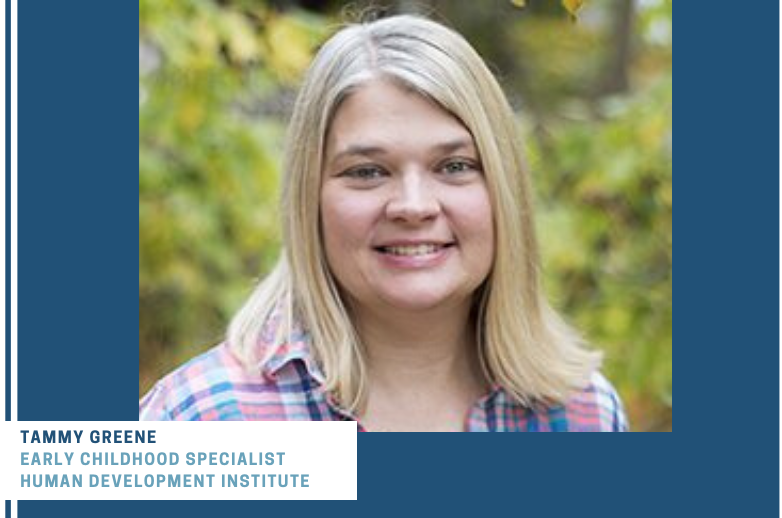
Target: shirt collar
x=279, y=345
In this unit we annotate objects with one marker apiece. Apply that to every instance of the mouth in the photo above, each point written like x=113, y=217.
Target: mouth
x=419, y=249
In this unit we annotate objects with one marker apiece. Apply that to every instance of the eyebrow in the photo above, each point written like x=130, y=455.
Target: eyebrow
x=369, y=150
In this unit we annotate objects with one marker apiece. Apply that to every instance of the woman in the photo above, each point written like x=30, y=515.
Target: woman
x=407, y=297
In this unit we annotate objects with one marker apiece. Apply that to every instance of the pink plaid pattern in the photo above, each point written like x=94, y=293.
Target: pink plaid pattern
x=216, y=386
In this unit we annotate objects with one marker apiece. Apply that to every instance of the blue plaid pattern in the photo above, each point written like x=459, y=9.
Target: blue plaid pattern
x=216, y=386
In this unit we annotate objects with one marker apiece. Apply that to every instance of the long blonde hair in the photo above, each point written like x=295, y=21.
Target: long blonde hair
x=524, y=346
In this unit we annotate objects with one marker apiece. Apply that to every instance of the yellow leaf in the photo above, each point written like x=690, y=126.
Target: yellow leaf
x=617, y=320
x=573, y=6
x=289, y=46
x=240, y=38
x=191, y=112
x=519, y=3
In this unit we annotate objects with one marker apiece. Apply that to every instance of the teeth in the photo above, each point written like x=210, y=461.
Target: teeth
x=412, y=250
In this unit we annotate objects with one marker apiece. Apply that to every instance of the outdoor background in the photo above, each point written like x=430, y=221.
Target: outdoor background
x=594, y=97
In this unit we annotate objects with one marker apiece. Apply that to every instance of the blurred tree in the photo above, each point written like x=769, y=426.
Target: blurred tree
x=615, y=76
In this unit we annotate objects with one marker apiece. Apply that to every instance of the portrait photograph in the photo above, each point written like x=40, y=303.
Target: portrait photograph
x=421, y=216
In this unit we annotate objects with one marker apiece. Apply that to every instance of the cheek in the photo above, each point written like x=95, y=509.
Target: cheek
x=484, y=228
x=347, y=220
x=476, y=219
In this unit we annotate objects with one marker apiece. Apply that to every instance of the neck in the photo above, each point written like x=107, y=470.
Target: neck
x=409, y=342
x=420, y=362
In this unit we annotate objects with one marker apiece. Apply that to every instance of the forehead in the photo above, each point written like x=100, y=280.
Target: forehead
x=385, y=114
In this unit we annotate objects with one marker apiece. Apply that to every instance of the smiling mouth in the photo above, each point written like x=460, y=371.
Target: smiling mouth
x=413, y=250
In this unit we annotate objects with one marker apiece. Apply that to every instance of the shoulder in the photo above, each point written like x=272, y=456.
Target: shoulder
x=217, y=386
x=595, y=408
x=196, y=384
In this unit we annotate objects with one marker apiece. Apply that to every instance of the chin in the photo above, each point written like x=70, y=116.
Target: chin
x=415, y=305
x=412, y=301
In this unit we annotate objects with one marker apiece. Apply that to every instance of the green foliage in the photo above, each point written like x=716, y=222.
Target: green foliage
x=208, y=162
x=555, y=68
x=605, y=219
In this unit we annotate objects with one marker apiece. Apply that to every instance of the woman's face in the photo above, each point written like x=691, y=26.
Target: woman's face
x=406, y=217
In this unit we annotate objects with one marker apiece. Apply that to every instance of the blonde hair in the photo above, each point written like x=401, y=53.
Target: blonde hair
x=523, y=344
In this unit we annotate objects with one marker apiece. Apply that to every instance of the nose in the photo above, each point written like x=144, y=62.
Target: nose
x=415, y=200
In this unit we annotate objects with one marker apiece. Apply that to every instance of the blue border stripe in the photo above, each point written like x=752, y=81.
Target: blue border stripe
x=8, y=211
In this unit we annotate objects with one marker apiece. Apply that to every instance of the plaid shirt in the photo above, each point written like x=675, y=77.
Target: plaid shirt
x=216, y=386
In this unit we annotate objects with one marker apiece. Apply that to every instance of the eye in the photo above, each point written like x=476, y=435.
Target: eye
x=458, y=166
x=364, y=172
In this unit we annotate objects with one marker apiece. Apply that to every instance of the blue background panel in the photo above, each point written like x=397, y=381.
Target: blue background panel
x=78, y=254
x=78, y=315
